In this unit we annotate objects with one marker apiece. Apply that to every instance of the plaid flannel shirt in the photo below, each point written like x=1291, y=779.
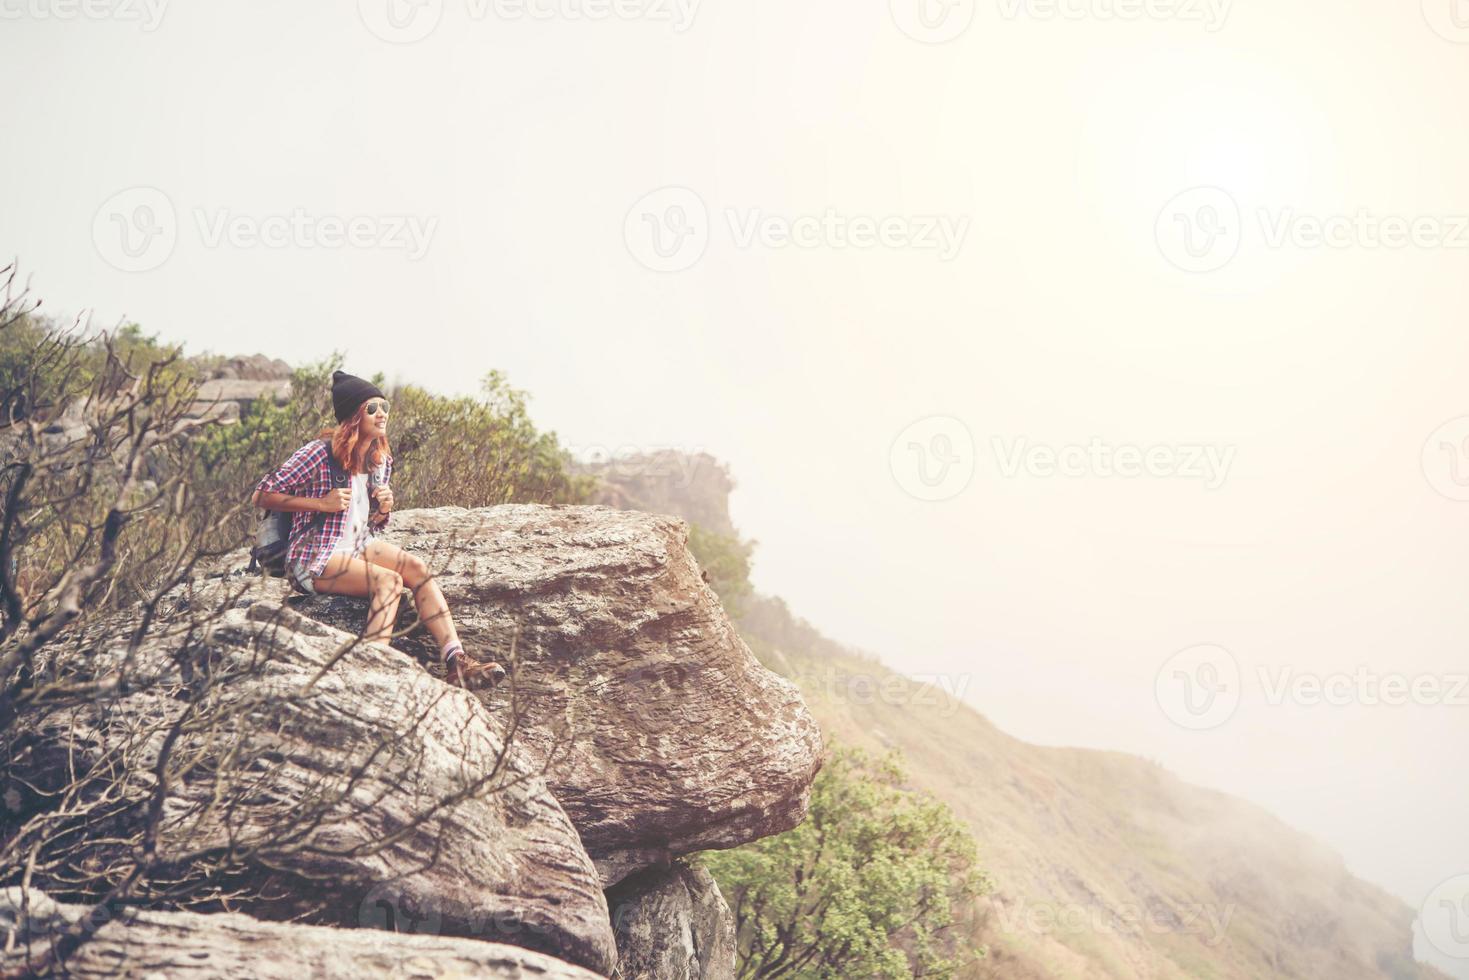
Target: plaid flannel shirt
x=309, y=474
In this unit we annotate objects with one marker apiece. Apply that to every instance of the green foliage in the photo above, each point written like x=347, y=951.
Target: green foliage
x=726, y=559
x=45, y=364
x=475, y=452
x=866, y=887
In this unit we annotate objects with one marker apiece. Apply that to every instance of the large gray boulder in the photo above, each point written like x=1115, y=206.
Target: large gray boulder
x=143, y=945
x=368, y=794
x=672, y=924
x=661, y=732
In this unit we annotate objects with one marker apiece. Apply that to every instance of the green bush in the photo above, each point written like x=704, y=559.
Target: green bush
x=867, y=887
x=726, y=559
x=475, y=452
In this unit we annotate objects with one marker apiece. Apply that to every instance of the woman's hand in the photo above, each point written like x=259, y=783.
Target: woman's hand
x=384, y=498
x=336, y=500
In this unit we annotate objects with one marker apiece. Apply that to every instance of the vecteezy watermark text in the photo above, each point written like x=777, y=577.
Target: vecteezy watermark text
x=407, y=21
x=935, y=458
x=299, y=228
x=1201, y=687
x=937, y=694
x=147, y=14
x=1362, y=686
x=1202, y=229
x=668, y=230
x=673, y=466
x=940, y=21
x=1209, y=922
x=137, y=229
x=1207, y=463
x=1210, y=13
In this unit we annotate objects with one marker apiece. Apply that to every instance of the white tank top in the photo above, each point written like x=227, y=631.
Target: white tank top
x=354, y=529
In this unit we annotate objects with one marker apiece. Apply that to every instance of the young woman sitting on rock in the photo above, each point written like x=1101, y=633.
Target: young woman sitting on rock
x=332, y=546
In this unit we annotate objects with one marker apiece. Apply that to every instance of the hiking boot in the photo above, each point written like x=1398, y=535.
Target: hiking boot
x=464, y=671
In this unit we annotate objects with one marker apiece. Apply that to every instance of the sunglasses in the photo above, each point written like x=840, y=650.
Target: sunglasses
x=372, y=408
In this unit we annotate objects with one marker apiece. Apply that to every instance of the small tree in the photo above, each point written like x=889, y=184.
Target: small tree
x=867, y=886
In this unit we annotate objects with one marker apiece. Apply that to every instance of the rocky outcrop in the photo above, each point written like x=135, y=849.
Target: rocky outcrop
x=253, y=367
x=226, y=399
x=142, y=945
x=694, y=486
x=362, y=754
x=640, y=728
x=672, y=924
x=661, y=731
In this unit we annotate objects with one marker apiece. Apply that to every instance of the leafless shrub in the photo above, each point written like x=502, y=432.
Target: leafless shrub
x=149, y=733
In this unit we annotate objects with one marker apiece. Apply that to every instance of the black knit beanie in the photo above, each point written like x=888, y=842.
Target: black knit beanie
x=349, y=392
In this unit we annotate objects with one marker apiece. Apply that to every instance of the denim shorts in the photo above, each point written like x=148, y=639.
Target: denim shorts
x=300, y=577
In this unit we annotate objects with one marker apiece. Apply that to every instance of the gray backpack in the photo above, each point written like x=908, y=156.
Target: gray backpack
x=273, y=529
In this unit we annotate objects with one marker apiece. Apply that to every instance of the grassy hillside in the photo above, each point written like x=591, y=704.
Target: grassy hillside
x=1106, y=865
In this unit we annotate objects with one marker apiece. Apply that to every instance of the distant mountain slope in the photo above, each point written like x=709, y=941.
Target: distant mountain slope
x=1106, y=865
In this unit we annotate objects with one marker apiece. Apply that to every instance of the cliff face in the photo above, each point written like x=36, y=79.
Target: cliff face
x=637, y=727
x=1106, y=865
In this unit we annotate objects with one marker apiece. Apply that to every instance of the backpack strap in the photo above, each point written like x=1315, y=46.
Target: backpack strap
x=339, y=477
x=338, y=474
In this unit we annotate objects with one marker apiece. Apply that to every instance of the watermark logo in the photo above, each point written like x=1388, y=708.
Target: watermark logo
x=1210, y=13
x=386, y=907
x=1099, y=459
x=679, y=13
x=670, y=466
x=1209, y=923
x=939, y=695
x=147, y=14
x=1449, y=19
x=1199, y=687
x=1200, y=229
x=1444, y=916
x=667, y=230
x=933, y=458
x=1446, y=459
x=136, y=229
x=941, y=233
x=407, y=21
x=932, y=21
x=401, y=21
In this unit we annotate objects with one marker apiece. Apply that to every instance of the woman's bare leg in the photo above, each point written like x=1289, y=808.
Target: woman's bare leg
x=383, y=586
x=433, y=610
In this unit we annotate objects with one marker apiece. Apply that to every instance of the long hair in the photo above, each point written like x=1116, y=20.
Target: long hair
x=356, y=453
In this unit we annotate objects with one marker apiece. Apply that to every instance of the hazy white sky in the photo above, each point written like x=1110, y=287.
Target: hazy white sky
x=863, y=267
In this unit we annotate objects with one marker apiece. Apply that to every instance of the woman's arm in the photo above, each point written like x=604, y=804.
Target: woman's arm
x=282, y=490
x=266, y=500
